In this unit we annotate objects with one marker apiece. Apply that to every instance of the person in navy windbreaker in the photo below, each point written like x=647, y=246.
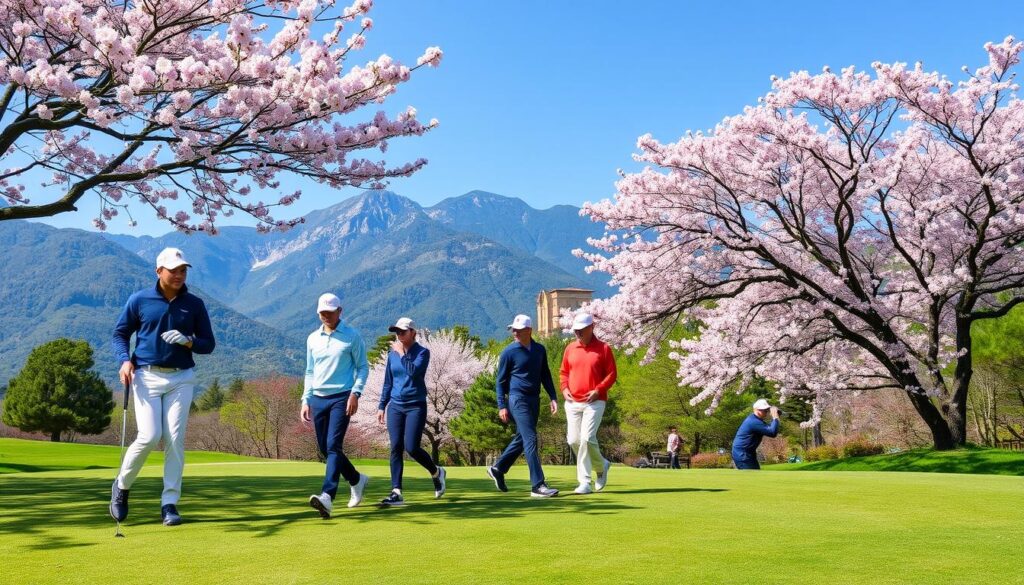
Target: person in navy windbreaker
x=750, y=433
x=169, y=324
x=403, y=405
x=522, y=372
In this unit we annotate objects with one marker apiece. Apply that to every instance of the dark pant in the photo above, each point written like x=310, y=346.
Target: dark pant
x=524, y=411
x=405, y=427
x=673, y=460
x=745, y=460
x=331, y=422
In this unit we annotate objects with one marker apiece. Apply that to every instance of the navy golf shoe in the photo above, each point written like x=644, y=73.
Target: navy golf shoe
x=169, y=515
x=118, y=503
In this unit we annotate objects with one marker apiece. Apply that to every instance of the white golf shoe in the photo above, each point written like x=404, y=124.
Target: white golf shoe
x=322, y=504
x=439, y=482
x=543, y=492
x=583, y=489
x=357, y=491
x=602, y=478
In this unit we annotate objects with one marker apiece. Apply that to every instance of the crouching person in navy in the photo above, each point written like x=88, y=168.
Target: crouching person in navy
x=170, y=324
x=748, y=437
x=336, y=369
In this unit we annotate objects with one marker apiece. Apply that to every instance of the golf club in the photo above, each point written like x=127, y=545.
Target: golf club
x=124, y=428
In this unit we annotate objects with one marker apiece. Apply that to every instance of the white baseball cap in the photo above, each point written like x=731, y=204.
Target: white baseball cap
x=171, y=258
x=521, y=322
x=328, y=302
x=403, y=324
x=762, y=404
x=582, y=321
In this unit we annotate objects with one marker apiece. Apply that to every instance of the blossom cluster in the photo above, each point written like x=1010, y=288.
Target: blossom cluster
x=840, y=235
x=193, y=101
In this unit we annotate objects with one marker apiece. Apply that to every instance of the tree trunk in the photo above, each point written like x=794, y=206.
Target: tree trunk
x=956, y=420
x=944, y=437
x=816, y=437
x=55, y=436
x=954, y=410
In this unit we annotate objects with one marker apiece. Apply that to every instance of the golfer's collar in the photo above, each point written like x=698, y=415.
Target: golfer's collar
x=156, y=289
x=341, y=323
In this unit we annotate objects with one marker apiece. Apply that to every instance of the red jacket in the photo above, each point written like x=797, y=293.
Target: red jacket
x=587, y=367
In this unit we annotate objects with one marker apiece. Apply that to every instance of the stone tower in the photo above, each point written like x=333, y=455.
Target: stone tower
x=550, y=304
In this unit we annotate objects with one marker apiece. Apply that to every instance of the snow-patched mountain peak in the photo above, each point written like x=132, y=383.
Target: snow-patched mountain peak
x=332, y=229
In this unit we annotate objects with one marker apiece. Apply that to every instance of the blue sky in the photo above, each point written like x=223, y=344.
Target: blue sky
x=544, y=100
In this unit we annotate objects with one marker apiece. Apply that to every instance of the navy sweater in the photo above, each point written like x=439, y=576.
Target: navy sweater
x=148, y=314
x=523, y=371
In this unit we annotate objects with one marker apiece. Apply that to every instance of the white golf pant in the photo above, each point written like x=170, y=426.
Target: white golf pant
x=584, y=418
x=161, y=412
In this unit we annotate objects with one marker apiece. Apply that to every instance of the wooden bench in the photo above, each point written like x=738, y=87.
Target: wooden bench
x=1014, y=445
x=664, y=460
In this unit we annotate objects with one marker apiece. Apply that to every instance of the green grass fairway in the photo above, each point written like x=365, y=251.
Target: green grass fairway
x=18, y=456
x=967, y=460
x=248, y=522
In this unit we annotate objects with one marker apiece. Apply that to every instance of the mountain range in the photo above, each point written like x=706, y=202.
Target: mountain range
x=72, y=283
x=549, y=234
x=475, y=260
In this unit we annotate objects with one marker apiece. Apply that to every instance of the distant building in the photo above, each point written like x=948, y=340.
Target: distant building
x=550, y=304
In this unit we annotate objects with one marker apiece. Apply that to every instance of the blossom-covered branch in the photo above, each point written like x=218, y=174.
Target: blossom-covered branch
x=189, y=105
x=841, y=235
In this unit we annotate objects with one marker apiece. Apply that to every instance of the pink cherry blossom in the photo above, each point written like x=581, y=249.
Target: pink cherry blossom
x=840, y=236
x=239, y=92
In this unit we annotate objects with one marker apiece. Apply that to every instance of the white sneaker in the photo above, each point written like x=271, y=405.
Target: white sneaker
x=357, y=491
x=322, y=504
x=583, y=488
x=544, y=492
x=439, y=482
x=602, y=478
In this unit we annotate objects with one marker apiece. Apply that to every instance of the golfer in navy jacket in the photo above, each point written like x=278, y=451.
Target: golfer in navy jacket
x=403, y=403
x=170, y=324
x=748, y=437
x=522, y=370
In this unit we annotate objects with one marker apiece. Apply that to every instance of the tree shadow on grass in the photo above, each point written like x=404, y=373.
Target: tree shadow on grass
x=37, y=506
x=33, y=508
x=465, y=499
x=25, y=468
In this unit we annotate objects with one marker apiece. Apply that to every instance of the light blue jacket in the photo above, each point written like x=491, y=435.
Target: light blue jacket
x=335, y=363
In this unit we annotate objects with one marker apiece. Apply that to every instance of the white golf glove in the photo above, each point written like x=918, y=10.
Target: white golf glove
x=175, y=336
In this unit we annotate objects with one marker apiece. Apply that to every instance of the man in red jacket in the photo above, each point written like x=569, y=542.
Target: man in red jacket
x=587, y=372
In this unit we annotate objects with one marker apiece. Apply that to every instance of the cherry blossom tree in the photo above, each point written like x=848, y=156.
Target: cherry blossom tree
x=188, y=106
x=842, y=235
x=453, y=367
